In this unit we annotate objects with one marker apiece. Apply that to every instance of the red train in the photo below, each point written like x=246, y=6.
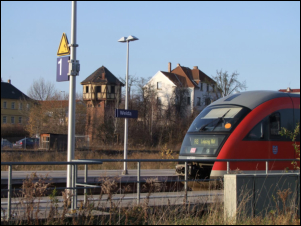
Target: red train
x=242, y=126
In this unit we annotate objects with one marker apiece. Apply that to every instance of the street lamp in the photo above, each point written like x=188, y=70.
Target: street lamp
x=127, y=40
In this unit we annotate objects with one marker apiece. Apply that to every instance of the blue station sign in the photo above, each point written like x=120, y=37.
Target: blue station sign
x=62, y=69
x=121, y=113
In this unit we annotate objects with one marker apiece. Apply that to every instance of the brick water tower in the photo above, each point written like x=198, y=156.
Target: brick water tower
x=101, y=93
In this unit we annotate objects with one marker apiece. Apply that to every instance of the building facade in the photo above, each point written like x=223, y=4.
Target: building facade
x=12, y=101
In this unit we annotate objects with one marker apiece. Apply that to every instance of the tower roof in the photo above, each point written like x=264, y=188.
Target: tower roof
x=102, y=75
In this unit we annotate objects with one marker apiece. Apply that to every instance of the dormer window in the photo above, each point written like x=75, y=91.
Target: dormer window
x=87, y=89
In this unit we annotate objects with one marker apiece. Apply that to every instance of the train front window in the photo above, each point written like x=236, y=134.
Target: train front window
x=201, y=144
x=218, y=118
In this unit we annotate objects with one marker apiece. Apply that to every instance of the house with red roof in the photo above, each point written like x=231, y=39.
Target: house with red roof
x=202, y=89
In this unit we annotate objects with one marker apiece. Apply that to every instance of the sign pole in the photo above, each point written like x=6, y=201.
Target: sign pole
x=72, y=89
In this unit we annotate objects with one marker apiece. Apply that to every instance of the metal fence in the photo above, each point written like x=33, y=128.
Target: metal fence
x=75, y=186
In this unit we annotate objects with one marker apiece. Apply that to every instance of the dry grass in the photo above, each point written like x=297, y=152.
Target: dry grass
x=62, y=156
x=143, y=214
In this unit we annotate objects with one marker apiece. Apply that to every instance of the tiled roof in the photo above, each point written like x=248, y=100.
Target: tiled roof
x=182, y=72
x=97, y=77
x=176, y=79
x=192, y=76
x=198, y=75
x=8, y=91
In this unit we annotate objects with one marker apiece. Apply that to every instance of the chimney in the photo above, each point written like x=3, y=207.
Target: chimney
x=195, y=67
x=288, y=89
x=169, y=67
x=9, y=81
x=103, y=76
x=179, y=65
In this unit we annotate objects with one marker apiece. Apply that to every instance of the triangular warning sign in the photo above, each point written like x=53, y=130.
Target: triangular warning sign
x=64, y=46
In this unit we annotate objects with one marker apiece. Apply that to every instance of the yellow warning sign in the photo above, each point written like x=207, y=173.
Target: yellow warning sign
x=64, y=46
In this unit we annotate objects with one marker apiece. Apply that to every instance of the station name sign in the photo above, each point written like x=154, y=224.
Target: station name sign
x=121, y=113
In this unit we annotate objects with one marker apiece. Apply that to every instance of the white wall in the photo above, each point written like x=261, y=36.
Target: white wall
x=167, y=87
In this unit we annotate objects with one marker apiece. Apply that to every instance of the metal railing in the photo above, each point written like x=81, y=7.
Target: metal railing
x=74, y=165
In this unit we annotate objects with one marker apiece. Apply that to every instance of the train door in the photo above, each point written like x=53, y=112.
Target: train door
x=280, y=146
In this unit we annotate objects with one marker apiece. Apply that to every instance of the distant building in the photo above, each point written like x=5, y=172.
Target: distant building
x=12, y=104
x=101, y=92
x=289, y=90
x=202, y=89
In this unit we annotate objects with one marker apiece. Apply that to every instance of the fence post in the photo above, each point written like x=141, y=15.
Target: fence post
x=186, y=176
x=267, y=167
x=228, y=167
x=9, y=192
x=138, y=183
x=85, y=181
x=75, y=186
x=72, y=185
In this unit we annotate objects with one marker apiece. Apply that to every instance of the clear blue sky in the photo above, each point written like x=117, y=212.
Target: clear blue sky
x=259, y=40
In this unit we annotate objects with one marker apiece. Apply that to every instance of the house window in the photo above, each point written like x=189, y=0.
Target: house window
x=27, y=106
x=213, y=87
x=20, y=119
x=207, y=87
x=159, y=100
x=98, y=105
x=4, y=104
x=12, y=120
x=112, y=89
x=201, y=88
x=188, y=100
x=87, y=89
x=199, y=101
x=12, y=105
x=159, y=85
x=20, y=106
x=4, y=119
x=207, y=101
x=98, y=89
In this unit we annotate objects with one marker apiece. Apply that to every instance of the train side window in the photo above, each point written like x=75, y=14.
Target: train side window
x=259, y=132
x=275, y=125
x=297, y=120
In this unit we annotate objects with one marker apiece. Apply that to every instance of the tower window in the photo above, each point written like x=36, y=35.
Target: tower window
x=98, y=89
x=112, y=89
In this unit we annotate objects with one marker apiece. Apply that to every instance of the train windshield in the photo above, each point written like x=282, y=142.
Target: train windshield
x=217, y=118
x=211, y=128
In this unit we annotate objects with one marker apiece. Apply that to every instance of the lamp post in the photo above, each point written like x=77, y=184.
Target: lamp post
x=127, y=40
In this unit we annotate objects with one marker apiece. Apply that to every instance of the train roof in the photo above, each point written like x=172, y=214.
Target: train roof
x=251, y=99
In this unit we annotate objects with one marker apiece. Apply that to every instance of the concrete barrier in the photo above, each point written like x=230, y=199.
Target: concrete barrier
x=250, y=195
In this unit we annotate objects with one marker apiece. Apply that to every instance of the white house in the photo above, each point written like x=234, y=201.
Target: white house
x=201, y=88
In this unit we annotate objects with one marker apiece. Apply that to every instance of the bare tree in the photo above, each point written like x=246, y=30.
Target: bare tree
x=42, y=90
x=228, y=83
